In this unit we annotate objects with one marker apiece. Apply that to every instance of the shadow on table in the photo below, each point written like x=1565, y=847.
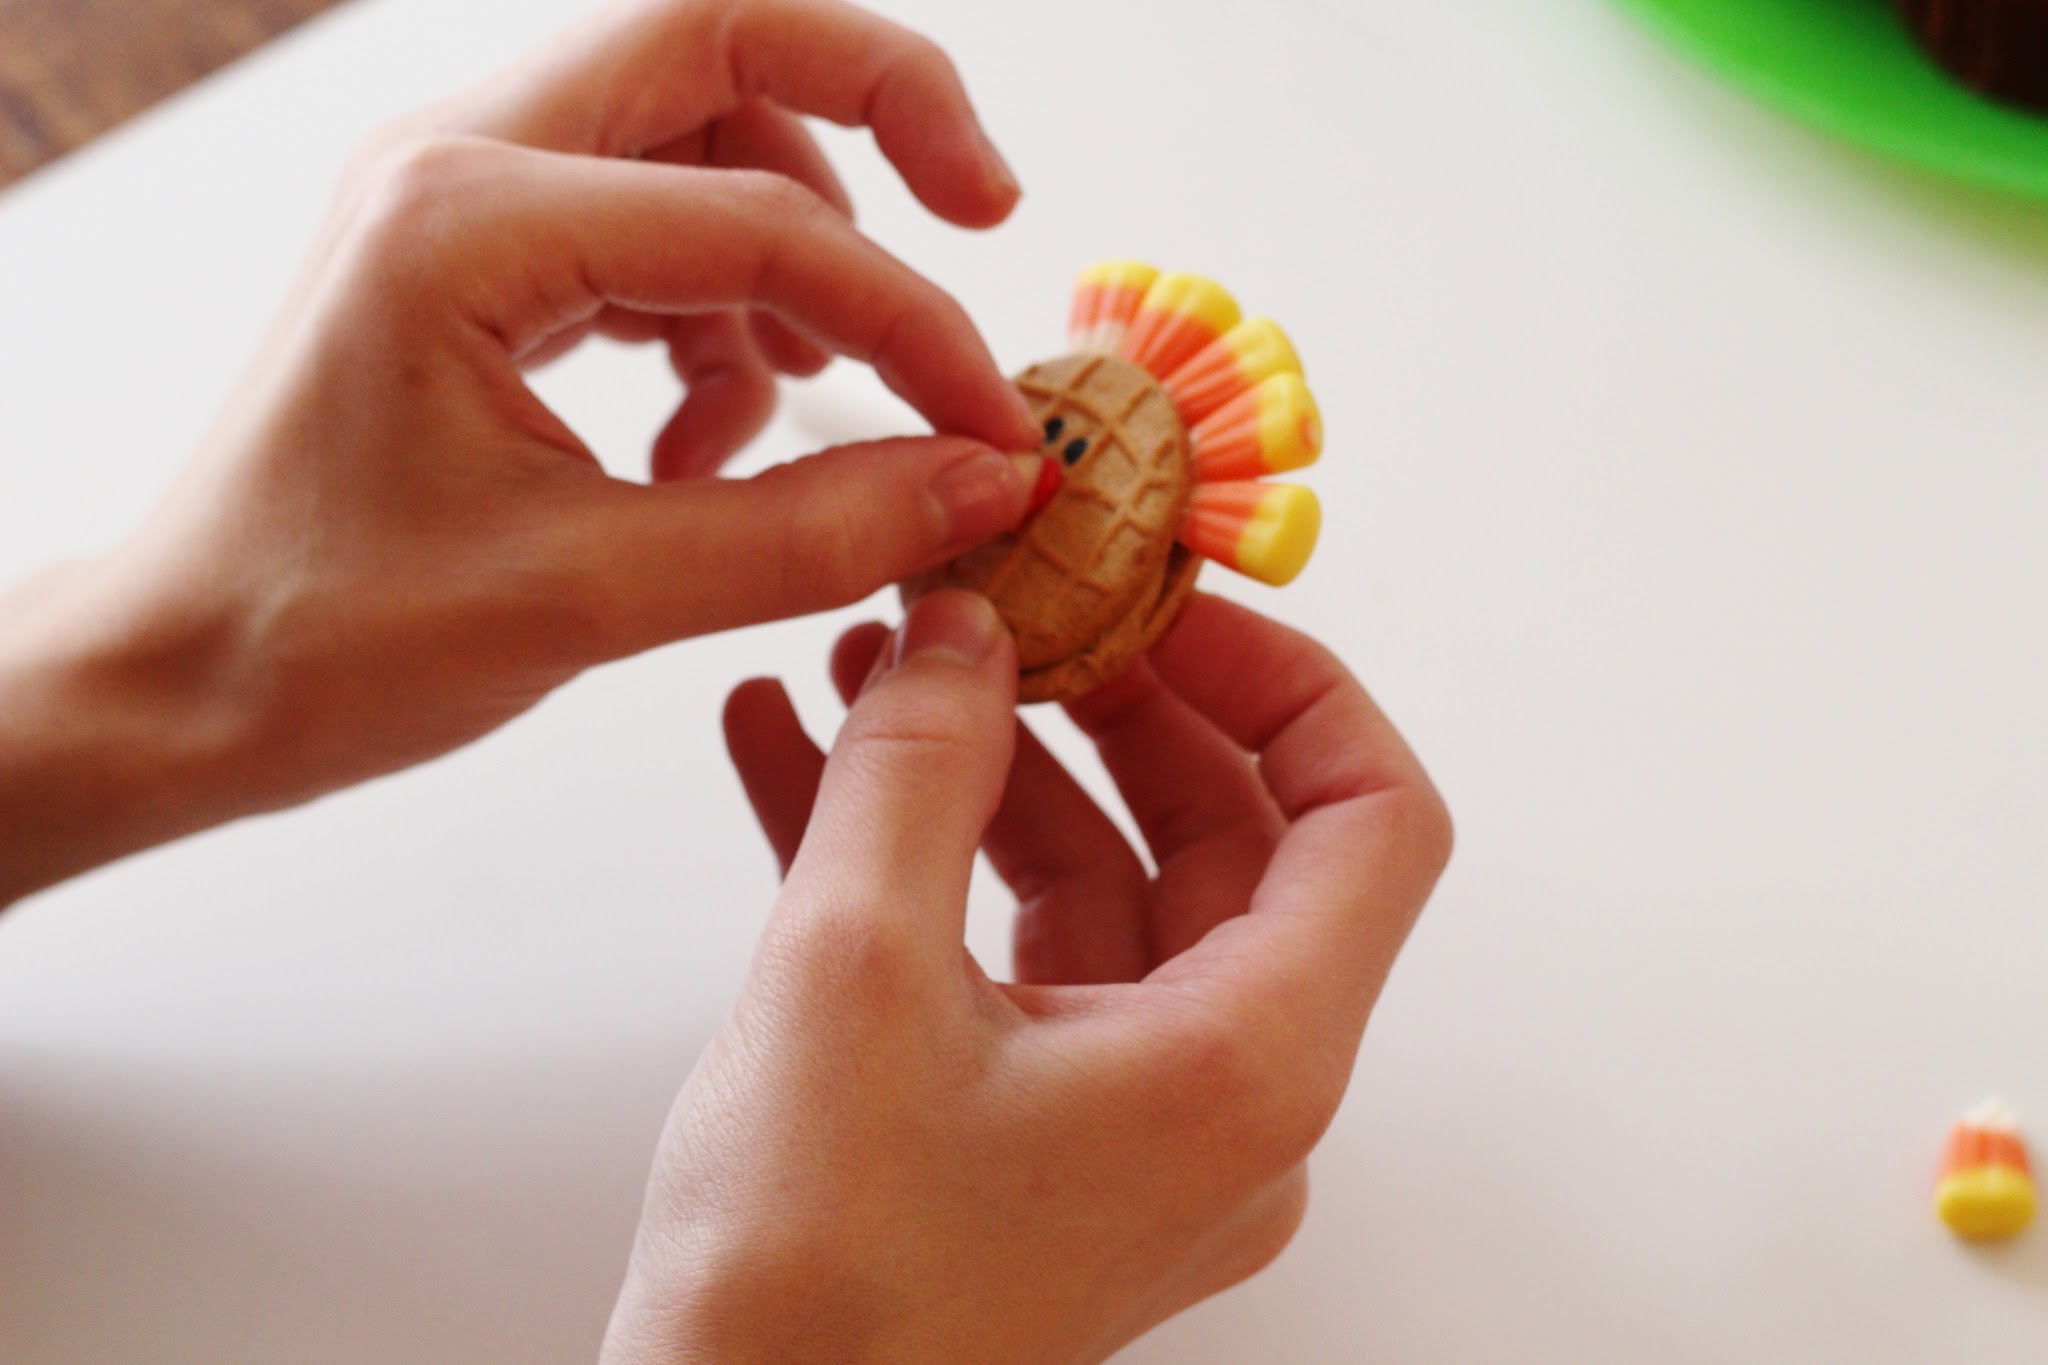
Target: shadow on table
x=477, y=1210
x=2022, y=1261
x=2006, y=223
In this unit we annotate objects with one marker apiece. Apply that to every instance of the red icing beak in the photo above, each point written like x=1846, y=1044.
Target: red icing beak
x=1044, y=484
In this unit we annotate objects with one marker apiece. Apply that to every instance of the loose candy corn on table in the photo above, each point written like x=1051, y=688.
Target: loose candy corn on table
x=1683, y=493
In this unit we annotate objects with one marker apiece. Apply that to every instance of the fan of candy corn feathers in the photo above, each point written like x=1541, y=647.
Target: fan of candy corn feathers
x=1238, y=387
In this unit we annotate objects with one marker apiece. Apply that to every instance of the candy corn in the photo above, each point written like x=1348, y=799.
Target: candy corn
x=1179, y=315
x=1270, y=429
x=1253, y=350
x=1263, y=530
x=1106, y=298
x=1986, y=1190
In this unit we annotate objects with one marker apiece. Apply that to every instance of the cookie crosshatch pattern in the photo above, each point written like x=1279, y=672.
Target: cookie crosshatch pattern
x=1091, y=567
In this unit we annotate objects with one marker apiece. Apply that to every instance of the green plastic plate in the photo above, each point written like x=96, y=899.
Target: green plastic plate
x=1850, y=66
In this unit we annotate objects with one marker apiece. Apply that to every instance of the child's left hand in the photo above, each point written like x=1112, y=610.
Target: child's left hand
x=389, y=545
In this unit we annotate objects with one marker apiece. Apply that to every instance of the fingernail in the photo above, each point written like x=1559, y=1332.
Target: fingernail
x=885, y=659
x=960, y=626
x=978, y=497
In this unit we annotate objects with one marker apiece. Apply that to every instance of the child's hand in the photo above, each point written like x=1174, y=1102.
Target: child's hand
x=884, y=1156
x=390, y=546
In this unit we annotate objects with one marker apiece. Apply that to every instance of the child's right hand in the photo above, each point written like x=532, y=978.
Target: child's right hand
x=884, y=1156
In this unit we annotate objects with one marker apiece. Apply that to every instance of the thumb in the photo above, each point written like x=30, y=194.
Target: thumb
x=912, y=783
x=690, y=558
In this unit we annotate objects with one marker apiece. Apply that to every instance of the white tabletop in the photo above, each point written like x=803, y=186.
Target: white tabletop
x=1686, y=491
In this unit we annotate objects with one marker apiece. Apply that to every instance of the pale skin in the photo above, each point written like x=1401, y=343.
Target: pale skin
x=388, y=547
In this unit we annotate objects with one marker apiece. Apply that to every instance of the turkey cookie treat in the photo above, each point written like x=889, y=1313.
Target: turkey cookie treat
x=1165, y=420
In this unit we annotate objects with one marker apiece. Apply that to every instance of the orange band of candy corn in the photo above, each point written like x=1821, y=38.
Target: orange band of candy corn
x=1270, y=430
x=1971, y=1147
x=1106, y=298
x=1254, y=350
x=1180, y=315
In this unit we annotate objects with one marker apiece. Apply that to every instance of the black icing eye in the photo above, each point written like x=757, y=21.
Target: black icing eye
x=1076, y=448
x=1053, y=427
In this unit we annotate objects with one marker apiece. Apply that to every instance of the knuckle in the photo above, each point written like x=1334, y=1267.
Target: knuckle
x=774, y=197
x=427, y=167
x=890, y=738
x=1283, y=1127
x=575, y=611
x=539, y=597
x=939, y=309
x=444, y=117
x=1267, y=1228
x=1217, y=1067
x=911, y=315
x=923, y=61
x=955, y=321
x=1268, y=1110
x=413, y=187
x=853, y=949
x=381, y=143
x=1422, y=822
x=1439, y=833
x=1222, y=1074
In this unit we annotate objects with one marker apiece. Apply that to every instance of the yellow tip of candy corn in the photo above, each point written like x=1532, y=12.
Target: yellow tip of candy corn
x=1180, y=314
x=1290, y=423
x=1193, y=296
x=1986, y=1204
x=1263, y=348
x=1282, y=535
x=1265, y=531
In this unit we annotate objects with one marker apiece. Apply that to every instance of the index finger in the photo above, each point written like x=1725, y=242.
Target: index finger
x=528, y=242
x=645, y=74
x=1367, y=834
